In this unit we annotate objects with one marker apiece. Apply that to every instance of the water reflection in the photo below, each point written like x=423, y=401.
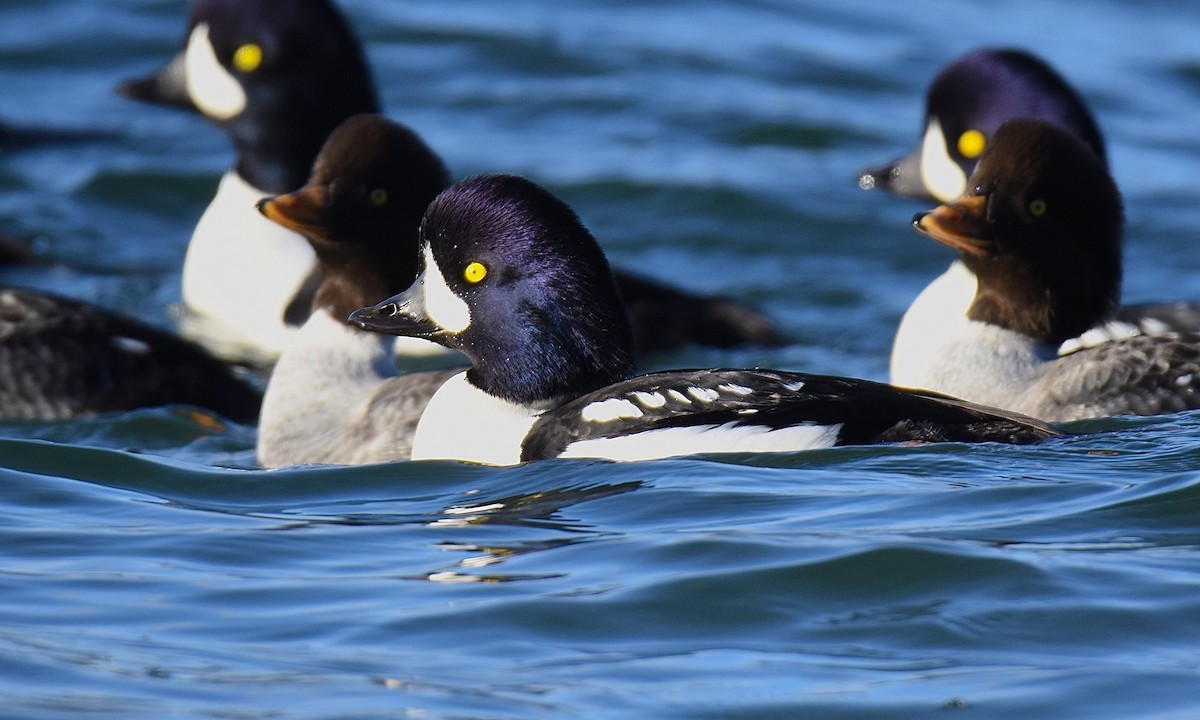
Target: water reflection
x=538, y=509
x=534, y=510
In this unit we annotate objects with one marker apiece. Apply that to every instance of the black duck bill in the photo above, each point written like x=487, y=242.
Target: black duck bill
x=402, y=314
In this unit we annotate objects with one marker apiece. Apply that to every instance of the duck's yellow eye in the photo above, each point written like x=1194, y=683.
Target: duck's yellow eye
x=1037, y=208
x=378, y=197
x=248, y=57
x=971, y=144
x=475, y=272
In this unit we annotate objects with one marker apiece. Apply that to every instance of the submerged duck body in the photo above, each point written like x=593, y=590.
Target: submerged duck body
x=1039, y=245
x=62, y=359
x=511, y=278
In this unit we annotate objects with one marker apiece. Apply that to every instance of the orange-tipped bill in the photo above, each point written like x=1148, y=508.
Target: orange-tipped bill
x=961, y=226
x=303, y=211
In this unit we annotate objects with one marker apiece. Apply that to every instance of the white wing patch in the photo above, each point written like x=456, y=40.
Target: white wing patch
x=130, y=345
x=703, y=395
x=1151, y=326
x=217, y=93
x=736, y=389
x=1101, y=334
x=679, y=397
x=726, y=438
x=940, y=174
x=442, y=304
x=611, y=409
x=650, y=401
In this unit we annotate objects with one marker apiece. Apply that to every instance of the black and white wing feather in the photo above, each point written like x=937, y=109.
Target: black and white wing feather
x=763, y=410
x=1141, y=375
x=1162, y=318
x=60, y=358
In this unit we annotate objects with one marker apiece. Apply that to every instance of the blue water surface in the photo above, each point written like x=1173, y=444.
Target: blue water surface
x=147, y=570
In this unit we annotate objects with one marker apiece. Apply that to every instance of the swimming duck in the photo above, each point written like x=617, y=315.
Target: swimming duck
x=1039, y=242
x=511, y=277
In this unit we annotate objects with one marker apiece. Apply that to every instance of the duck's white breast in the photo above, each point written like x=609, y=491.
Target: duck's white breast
x=464, y=423
x=242, y=270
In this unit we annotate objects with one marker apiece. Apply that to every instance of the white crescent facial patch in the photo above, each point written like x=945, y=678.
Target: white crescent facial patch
x=217, y=93
x=941, y=175
x=442, y=304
